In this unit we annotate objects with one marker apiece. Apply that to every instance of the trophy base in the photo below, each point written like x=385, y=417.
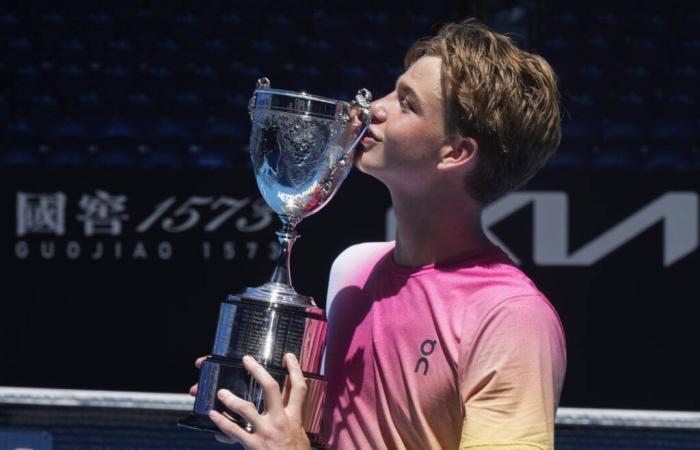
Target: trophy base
x=199, y=423
x=218, y=373
x=267, y=331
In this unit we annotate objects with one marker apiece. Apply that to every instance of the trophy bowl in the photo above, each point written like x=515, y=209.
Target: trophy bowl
x=302, y=149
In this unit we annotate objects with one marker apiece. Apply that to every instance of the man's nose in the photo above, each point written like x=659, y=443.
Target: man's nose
x=378, y=111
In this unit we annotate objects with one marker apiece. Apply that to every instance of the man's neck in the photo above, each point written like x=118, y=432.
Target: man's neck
x=435, y=227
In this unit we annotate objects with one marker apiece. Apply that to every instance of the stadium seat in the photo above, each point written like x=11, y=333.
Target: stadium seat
x=68, y=130
x=592, y=79
x=669, y=157
x=674, y=130
x=624, y=131
x=115, y=84
x=19, y=130
x=618, y=156
x=18, y=50
x=689, y=49
x=221, y=131
x=71, y=81
x=600, y=48
x=571, y=155
x=679, y=102
x=630, y=105
x=684, y=75
x=44, y=110
x=213, y=159
x=19, y=155
x=72, y=50
x=161, y=159
x=638, y=77
x=159, y=81
x=9, y=26
x=605, y=22
x=582, y=105
x=27, y=81
x=118, y=51
x=165, y=51
x=67, y=155
x=171, y=135
x=4, y=109
x=563, y=23
x=583, y=131
x=115, y=158
x=117, y=143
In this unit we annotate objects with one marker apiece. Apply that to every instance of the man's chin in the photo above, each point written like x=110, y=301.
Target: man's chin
x=364, y=164
x=360, y=161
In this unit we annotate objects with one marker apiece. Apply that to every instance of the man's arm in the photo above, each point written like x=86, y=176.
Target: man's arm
x=511, y=377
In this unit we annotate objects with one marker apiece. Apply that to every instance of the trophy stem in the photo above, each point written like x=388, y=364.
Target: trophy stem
x=286, y=237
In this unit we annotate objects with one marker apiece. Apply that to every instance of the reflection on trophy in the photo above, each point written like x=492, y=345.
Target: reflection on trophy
x=302, y=149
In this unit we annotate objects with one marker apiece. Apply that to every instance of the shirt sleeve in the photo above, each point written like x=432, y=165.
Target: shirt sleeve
x=511, y=374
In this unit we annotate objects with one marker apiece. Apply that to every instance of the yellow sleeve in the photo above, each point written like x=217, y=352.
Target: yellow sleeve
x=511, y=374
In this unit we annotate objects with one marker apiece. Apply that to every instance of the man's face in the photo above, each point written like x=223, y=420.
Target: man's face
x=402, y=146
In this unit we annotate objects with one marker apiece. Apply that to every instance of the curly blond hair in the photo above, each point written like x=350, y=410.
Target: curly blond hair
x=502, y=96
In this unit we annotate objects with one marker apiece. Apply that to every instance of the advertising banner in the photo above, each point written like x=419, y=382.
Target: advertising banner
x=113, y=279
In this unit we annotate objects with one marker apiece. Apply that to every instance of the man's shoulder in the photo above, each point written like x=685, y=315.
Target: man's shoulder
x=361, y=255
x=354, y=264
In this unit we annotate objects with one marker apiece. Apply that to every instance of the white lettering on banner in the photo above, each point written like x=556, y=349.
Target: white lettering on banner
x=41, y=213
x=21, y=250
x=252, y=249
x=73, y=250
x=233, y=206
x=263, y=215
x=187, y=211
x=102, y=213
x=140, y=250
x=165, y=250
x=97, y=254
x=48, y=249
x=159, y=211
x=677, y=211
x=188, y=214
x=229, y=250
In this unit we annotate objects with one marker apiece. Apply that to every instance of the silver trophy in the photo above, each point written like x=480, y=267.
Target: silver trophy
x=302, y=148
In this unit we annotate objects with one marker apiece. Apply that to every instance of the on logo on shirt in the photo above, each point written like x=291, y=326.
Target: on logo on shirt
x=427, y=347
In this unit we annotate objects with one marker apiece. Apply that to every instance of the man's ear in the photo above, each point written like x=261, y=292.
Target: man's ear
x=461, y=152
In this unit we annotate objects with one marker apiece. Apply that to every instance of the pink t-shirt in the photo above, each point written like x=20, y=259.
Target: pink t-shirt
x=465, y=355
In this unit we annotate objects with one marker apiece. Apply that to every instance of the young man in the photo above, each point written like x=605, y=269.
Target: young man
x=437, y=340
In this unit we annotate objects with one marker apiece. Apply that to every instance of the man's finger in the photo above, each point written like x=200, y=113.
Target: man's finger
x=243, y=408
x=285, y=391
x=193, y=390
x=198, y=362
x=297, y=394
x=226, y=439
x=231, y=429
x=273, y=398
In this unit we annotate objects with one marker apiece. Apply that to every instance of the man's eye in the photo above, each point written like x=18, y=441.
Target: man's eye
x=405, y=105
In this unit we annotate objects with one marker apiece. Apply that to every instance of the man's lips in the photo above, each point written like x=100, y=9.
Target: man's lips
x=370, y=138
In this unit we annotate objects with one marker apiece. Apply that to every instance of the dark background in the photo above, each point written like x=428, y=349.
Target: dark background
x=147, y=100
